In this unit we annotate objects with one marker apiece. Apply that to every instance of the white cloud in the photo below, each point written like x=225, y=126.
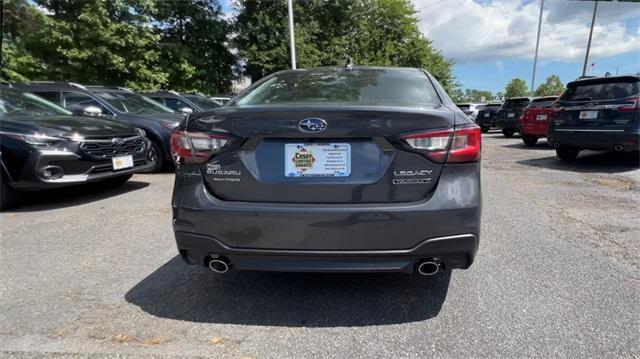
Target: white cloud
x=467, y=31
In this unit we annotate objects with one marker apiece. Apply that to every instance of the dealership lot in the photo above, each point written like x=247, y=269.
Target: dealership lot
x=93, y=270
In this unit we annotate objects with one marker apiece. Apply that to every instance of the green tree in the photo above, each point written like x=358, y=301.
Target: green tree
x=193, y=45
x=97, y=42
x=551, y=86
x=21, y=19
x=515, y=88
x=477, y=95
x=372, y=32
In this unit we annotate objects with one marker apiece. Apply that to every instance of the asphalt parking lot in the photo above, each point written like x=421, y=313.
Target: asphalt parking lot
x=93, y=270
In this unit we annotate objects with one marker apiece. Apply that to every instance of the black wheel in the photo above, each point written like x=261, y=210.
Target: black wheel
x=117, y=181
x=507, y=132
x=484, y=129
x=530, y=140
x=567, y=154
x=155, y=156
x=8, y=195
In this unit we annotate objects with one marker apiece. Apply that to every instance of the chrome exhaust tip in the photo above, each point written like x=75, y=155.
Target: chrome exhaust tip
x=220, y=265
x=428, y=267
x=618, y=148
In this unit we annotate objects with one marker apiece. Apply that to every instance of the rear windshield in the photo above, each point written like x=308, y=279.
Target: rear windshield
x=203, y=102
x=542, y=102
x=490, y=107
x=601, y=91
x=516, y=103
x=357, y=87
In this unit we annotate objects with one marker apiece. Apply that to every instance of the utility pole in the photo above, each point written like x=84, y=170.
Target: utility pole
x=292, y=39
x=586, y=56
x=535, y=58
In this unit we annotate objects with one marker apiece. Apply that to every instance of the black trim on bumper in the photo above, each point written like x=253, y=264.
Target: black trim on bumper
x=454, y=251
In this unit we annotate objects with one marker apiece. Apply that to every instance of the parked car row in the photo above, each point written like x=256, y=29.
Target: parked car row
x=597, y=113
x=59, y=133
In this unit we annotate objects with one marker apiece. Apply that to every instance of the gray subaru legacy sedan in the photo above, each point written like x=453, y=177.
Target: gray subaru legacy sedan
x=359, y=169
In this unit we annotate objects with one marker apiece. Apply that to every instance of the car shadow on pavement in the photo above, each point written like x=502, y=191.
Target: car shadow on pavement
x=73, y=196
x=182, y=292
x=591, y=162
x=541, y=145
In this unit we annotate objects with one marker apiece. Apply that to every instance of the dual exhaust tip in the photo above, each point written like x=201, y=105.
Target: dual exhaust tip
x=426, y=267
x=220, y=265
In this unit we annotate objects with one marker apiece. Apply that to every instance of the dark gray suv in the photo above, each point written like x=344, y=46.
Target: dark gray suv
x=330, y=170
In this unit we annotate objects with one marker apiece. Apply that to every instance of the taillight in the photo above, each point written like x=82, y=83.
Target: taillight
x=463, y=144
x=196, y=147
x=630, y=106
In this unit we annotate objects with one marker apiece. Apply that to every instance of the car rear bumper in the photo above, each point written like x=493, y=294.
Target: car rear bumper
x=594, y=139
x=511, y=123
x=354, y=237
x=453, y=252
x=534, y=129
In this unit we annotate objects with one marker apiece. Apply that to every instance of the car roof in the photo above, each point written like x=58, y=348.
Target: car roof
x=161, y=93
x=518, y=98
x=604, y=79
x=545, y=98
x=327, y=69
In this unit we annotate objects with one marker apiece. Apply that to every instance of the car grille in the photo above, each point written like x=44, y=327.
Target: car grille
x=113, y=147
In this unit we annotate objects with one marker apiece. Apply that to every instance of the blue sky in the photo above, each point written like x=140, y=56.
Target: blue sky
x=493, y=41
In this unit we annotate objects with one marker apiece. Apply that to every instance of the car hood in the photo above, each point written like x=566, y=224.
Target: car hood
x=66, y=126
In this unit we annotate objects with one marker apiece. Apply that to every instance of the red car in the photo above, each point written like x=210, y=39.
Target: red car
x=534, y=121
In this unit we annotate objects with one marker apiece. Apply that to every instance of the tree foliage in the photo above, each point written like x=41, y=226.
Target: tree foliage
x=516, y=88
x=471, y=95
x=186, y=45
x=551, y=86
x=372, y=32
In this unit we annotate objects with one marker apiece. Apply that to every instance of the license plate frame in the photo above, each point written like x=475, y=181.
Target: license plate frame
x=588, y=115
x=317, y=160
x=122, y=162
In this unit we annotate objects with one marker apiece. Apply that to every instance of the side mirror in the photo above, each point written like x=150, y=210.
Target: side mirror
x=92, y=110
x=186, y=110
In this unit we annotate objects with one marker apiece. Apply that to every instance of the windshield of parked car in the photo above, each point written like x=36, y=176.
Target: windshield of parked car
x=203, y=102
x=357, y=87
x=16, y=103
x=515, y=103
x=464, y=107
x=542, y=102
x=130, y=102
x=601, y=91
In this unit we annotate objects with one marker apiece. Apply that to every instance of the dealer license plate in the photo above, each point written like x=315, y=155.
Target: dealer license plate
x=317, y=160
x=122, y=162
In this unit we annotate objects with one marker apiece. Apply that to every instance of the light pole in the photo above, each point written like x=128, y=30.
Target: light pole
x=586, y=56
x=535, y=58
x=292, y=39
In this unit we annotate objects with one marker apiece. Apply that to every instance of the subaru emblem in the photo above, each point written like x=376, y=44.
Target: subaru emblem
x=312, y=125
x=117, y=141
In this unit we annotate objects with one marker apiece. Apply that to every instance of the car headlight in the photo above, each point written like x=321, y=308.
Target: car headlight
x=141, y=132
x=38, y=140
x=170, y=124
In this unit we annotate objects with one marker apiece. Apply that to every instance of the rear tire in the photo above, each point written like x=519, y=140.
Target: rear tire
x=530, y=141
x=8, y=195
x=155, y=156
x=567, y=154
x=507, y=132
x=484, y=129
